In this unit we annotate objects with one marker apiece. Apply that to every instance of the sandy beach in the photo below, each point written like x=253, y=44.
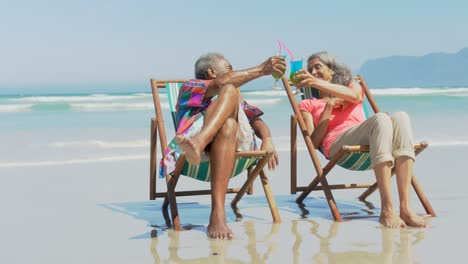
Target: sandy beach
x=76, y=106
x=100, y=213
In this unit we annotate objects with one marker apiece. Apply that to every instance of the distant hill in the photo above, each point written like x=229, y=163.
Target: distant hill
x=434, y=69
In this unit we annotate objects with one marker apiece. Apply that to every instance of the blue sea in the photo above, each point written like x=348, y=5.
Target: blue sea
x=47, y=129
x=74, y=173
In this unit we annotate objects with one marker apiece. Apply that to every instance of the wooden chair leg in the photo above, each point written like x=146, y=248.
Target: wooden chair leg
x=165, y=212
x=153, y=160
x=372, y=189
x=269, y=197
x=368, y=192
x=418, y=149
x=308, y=189
x=424, y=201
x=261, y=163
x=250, y=190
x=293, y=152
x=321, y=173
x=171, y=181
x=331, y=201
x=326, y=189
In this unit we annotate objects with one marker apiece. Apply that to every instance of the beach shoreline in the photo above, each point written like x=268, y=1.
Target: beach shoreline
x=100, y=212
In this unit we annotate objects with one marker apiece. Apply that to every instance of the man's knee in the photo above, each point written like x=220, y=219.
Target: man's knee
x=229, y=128
x=230, y=90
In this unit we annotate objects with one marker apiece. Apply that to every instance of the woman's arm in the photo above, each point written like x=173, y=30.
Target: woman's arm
x=351, y=94
x=321, y=131
x=309, y=122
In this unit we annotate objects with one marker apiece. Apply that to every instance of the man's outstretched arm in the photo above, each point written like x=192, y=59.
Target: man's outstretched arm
x=238, y=78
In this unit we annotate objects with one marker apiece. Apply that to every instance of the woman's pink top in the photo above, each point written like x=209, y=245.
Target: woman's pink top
x=339, y=122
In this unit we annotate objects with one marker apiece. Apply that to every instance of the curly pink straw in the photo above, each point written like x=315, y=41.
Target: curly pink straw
x=279, y=46
x=290, y=53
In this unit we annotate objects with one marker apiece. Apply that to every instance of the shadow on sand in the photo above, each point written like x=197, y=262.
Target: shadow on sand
x=307, y=233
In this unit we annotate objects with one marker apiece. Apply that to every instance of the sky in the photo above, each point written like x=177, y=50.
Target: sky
x=52, y=42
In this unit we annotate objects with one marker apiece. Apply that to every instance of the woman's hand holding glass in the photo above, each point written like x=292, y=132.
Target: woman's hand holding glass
x=306, y=79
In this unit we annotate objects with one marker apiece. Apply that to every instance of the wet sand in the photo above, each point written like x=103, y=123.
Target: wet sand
x=100, y=213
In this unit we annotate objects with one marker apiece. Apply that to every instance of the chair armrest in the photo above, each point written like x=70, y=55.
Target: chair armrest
x=254, y=153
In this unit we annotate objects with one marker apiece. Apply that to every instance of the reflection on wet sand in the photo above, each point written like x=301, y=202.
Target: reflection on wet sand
x=219, y=250
x=393, y=249
x=304, y=236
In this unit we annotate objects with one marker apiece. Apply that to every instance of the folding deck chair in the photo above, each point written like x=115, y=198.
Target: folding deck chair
x=252, y=161
x=349, y=157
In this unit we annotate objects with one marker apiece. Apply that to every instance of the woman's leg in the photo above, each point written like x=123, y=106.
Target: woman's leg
x=404, y=164
x=388, y=216
x=377, y=133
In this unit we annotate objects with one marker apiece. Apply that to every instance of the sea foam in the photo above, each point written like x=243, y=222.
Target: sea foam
x=421, y=91
x=15, y=108
x=115, y=106
x=83, y=98
x=71, y=161
x=102, y=144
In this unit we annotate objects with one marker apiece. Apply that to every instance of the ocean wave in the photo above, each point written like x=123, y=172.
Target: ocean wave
x=264, y=93
x=421, y=91
x=83, y=98
x=15, y=108
x=282, y=147
x=282, y=144
x=259, y=102
x=115, y=106
x=448, y=143
x=102, y=144
x=71, y=161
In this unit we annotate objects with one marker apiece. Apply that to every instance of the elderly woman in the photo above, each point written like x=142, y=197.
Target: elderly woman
x=339, y=120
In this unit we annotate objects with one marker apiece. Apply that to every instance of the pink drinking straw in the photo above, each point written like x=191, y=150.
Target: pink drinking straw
x=290, y=53
x=280, y=46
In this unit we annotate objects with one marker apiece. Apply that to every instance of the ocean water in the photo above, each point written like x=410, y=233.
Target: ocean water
x=59, y=129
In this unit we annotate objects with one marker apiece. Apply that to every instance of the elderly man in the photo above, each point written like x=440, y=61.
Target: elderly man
x=225, y=124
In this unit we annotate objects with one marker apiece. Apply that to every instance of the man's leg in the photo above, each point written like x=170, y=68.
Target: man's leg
x=225, y=106
x=222, y=154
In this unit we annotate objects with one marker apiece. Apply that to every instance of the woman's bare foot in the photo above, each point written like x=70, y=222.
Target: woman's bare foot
x=218, y=228
x=192, y=151
x=412, y=219
x=391, y=220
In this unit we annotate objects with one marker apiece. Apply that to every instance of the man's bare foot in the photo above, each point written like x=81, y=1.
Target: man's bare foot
x=219, y=231
x=391, y=220
x=192, y=152
x=218, y=228
x=412, y=219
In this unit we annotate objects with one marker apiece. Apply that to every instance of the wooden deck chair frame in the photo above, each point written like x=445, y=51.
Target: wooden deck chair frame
x=158, y=129
x=322, y=172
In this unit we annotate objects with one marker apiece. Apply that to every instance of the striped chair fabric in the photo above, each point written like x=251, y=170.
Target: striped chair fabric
x=201, y=171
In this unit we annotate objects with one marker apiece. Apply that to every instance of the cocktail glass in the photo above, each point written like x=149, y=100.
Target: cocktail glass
x=296, y=65
x=275, y=86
